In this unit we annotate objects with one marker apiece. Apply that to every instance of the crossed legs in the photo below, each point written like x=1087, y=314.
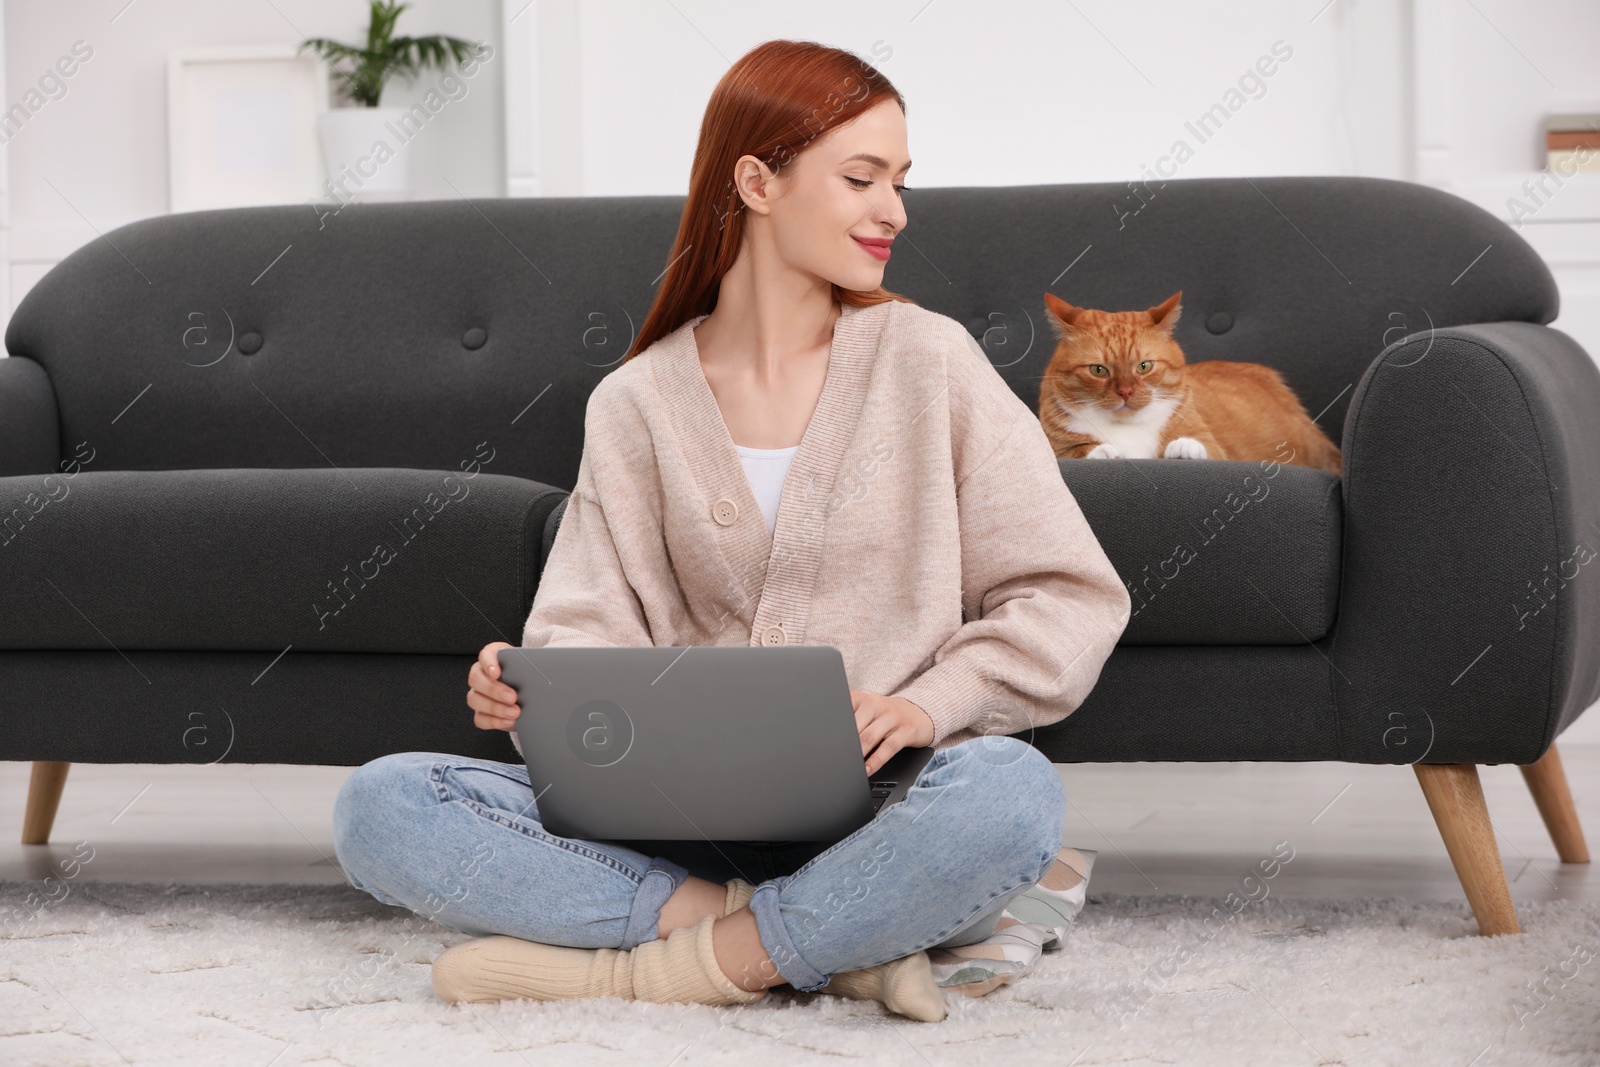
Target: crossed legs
x=459, y=841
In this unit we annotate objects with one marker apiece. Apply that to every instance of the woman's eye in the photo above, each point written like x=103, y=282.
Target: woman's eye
x=861, y=184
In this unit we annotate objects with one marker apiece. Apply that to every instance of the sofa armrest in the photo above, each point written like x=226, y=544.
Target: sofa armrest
x=1469, y=608
x=30, y=435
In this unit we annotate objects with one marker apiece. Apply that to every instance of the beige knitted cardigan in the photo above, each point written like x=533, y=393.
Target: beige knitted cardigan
x=924, y=530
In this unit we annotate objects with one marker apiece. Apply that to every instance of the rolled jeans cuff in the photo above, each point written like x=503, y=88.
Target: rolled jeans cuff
x=660, y=881
x=775, y=939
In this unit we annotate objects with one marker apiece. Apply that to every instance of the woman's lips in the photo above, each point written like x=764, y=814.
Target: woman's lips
x=878, y=250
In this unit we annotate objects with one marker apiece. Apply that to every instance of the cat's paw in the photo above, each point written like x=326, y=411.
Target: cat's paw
x=1184, y=448
x=1104, y=450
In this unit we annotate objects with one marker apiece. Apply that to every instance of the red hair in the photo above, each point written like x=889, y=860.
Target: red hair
x=776, y=99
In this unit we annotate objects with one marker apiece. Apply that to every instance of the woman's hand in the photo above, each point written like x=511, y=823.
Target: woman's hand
x=494, y=701
x=888, y=724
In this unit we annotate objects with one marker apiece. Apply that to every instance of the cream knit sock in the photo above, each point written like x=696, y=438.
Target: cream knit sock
x=500, y=967
x=739, y=892
x=905, y=986
x=682, y=968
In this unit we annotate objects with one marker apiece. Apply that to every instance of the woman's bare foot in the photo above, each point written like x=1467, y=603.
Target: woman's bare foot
x=692, y=901
x=735, y=938
x=740, y=954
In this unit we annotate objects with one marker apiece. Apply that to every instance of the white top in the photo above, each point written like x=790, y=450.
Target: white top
x=766, y=468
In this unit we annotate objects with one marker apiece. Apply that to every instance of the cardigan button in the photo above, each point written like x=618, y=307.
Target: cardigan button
x=774, y=635
x=725, y=511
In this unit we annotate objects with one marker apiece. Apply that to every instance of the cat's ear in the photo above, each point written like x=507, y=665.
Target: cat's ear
x=1063, y=316
x=1165, y=314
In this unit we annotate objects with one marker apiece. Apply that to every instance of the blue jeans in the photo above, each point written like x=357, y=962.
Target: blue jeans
x=458, y=840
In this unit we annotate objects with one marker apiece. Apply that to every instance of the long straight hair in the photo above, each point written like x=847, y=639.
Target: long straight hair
x=774, y=101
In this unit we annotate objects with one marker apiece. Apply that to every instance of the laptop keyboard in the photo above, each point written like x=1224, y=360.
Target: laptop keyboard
x=880, y=793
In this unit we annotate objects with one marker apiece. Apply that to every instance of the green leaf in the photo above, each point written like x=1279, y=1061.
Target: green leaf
x=365, y=71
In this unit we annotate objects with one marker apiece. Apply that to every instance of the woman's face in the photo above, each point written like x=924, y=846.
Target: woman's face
x=841, y=188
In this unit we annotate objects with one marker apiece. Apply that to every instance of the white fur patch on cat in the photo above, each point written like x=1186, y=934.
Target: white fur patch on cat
x=1134, y=436
x=1185, y=448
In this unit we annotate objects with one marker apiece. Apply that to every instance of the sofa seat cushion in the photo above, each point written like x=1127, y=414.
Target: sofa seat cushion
x=1217, y=552
x=369, y=559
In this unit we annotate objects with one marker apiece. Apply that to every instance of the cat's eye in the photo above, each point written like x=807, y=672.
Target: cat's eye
x=1098, y=370
x=1144, y=366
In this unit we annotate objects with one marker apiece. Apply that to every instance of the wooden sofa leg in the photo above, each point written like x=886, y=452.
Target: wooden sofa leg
x=1455, y=796
x=1548, y=783
x=44, y=796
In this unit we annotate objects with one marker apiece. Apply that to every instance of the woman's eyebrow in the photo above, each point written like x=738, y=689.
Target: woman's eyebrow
x=876, y=161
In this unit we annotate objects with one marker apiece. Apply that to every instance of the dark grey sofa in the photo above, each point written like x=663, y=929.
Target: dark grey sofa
x=214, y=422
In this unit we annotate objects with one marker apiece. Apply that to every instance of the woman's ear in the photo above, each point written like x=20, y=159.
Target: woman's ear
x=756, y=183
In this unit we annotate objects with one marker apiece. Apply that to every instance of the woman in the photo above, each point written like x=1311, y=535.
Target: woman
x=920, y=525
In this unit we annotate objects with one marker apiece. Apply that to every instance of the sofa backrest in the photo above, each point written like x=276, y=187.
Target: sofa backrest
x=411, y=334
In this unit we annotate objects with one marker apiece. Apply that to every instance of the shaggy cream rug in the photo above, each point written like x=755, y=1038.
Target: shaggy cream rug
x=269, y=976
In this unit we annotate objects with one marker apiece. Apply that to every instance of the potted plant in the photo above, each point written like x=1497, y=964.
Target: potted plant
x=351, y=134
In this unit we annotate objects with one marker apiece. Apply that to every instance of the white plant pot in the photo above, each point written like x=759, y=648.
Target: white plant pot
x=354, y=159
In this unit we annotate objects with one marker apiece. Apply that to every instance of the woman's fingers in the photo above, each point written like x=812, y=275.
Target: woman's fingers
x=876, y=742
x=489, y=659
x=491, y=714
x=873, y=723
x=490, y=706
x=872, y=735
x=884, y=752
x=494, y=702
x=479, y=678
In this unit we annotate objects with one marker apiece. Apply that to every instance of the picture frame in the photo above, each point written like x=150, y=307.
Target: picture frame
x=242, y=126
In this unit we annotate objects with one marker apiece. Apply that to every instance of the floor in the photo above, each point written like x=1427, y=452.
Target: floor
x=1197, y=828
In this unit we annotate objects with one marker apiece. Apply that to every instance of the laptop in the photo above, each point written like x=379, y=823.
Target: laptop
x=719, y=743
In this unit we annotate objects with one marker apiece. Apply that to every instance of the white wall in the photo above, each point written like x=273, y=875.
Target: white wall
x=103, y=145
x=1509, y=64
x=1492, y=71
x=1013, y=93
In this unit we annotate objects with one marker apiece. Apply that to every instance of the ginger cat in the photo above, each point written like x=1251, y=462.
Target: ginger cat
x=1118, y=387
